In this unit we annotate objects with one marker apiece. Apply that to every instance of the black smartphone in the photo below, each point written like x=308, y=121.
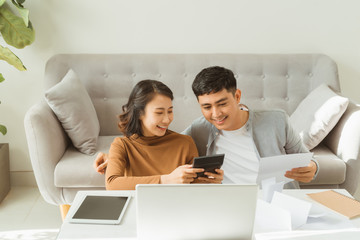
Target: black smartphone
x=208, y=163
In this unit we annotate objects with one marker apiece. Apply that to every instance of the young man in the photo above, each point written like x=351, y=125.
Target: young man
x=243, y=135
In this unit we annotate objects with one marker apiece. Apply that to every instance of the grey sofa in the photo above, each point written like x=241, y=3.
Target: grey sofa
x=266, y=81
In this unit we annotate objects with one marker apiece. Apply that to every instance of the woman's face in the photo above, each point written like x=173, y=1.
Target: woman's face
x=157, y=116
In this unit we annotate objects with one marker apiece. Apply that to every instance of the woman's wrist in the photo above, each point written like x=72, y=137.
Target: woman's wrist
x=163, y=179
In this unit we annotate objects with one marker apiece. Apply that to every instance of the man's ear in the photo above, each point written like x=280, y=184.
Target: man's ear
x=237, y=95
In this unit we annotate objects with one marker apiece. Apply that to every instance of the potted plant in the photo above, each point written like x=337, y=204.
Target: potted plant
x=4, y=170
x=18, y=32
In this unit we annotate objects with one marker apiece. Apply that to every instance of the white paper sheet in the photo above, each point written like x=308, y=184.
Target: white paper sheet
x=327, y=222
x=271, y=218
x=298, y=209
x=277, y=166
x=321, y=218
x=317, y=210
x=269, y=186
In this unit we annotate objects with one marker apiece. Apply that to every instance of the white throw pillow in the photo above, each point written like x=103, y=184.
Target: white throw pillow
x=317, y=114
x=72, y=105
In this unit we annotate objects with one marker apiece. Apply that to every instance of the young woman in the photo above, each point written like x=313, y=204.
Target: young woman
x=149, y=152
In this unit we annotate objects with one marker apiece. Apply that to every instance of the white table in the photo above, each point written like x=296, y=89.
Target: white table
x=127, y=228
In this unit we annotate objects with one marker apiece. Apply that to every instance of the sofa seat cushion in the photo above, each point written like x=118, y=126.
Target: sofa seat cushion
x=332, y=168
x=76, y=169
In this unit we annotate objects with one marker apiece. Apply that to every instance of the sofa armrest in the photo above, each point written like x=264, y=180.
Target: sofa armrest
x=344, y=141
x=47, y=142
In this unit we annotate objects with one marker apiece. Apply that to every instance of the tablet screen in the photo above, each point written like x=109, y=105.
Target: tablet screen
x=101, y=209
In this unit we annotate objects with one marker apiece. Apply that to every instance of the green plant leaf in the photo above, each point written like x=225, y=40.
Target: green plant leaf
x=2, y=2
x=3, y=129
x=14, y=30
x=20, y=2
x=1, y=78
x=24, y=13
x=11, y=58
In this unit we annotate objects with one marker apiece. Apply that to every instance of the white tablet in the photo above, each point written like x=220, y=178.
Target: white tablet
x=100, y=209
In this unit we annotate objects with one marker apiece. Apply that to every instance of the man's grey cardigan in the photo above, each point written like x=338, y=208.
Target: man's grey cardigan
x=270, y=130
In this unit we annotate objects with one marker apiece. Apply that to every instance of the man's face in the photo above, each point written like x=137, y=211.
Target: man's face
x=222, y=109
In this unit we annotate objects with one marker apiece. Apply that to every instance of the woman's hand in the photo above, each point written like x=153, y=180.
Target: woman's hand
x=100, y=162
x=212, y=177
x=182, y=174
x=303, y=174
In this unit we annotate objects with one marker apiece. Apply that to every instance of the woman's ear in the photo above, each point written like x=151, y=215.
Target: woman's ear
x=141, y=115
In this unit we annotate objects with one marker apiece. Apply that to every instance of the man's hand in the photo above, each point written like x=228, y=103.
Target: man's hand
x=100, y=162
x=182, y=174
x=303, y=174
x=212, y=177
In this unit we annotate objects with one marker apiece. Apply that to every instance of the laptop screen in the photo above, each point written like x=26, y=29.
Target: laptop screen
x=202, y=211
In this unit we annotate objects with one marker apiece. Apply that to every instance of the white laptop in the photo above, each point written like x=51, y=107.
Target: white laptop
x=195, y=211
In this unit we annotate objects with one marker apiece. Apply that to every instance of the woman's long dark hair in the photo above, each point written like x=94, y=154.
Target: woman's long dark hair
x=143, y=92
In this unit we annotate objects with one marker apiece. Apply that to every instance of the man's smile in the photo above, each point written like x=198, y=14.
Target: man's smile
x=220, y=120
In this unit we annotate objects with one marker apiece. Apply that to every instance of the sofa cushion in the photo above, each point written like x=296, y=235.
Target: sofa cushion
x=73, y=107
x=332, y=169
x=317, y=114
x=76, y=169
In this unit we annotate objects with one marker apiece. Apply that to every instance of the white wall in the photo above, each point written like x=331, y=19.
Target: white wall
x=331, y=27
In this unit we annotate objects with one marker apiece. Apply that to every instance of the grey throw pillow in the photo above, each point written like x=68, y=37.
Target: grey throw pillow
x=317, y=114
x=72, y=105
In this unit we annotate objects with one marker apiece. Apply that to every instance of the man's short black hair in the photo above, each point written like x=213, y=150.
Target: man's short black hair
x=212, y=80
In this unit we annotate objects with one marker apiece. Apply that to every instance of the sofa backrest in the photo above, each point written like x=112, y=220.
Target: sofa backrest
x=266, y=80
